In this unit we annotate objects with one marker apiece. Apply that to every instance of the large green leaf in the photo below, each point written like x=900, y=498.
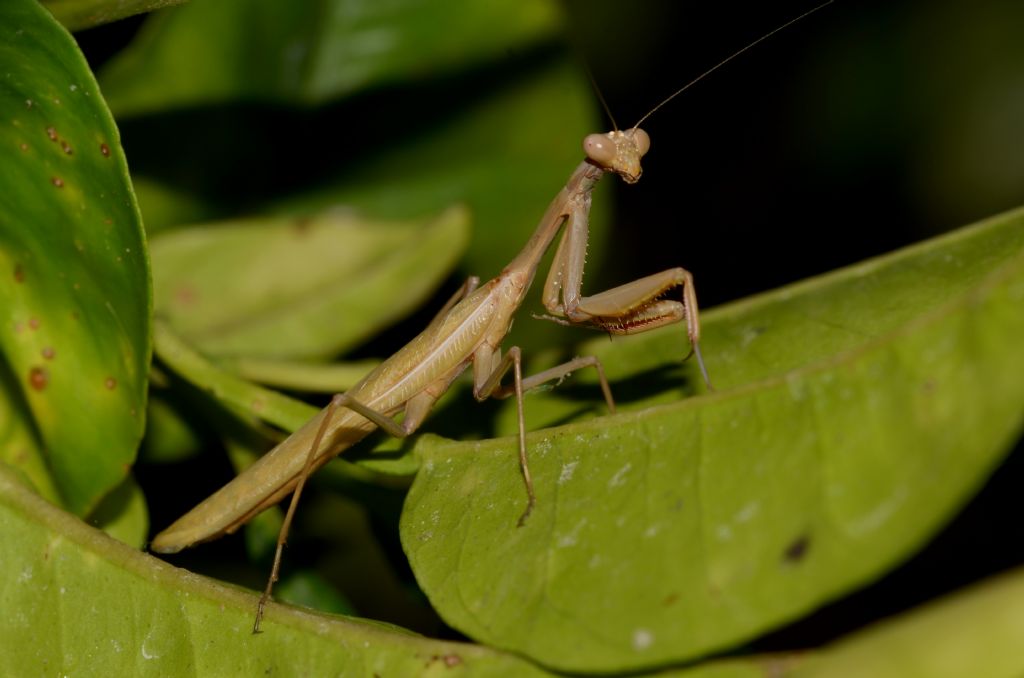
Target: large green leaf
x=975, y=632
x=856, y=413
x=308, y=288
x=79, y=14
x=106, y=605
x=75, y=290
x=283, y=51
x=77, y=602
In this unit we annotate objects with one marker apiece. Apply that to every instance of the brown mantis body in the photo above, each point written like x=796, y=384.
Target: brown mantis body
x=469, y=330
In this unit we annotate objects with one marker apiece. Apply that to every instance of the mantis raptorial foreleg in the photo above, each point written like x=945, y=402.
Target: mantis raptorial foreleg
x=416, y=411
x=627, y=309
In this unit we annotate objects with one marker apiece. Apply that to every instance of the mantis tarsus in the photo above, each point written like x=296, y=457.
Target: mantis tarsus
x=468, y=331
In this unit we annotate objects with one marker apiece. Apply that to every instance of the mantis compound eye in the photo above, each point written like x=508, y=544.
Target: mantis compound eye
x=642, y=141
x=599, y=149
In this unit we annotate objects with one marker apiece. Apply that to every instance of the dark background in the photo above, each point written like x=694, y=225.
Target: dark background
x=866, y=126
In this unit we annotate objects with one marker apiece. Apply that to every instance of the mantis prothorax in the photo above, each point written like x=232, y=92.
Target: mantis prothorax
x=469, y=330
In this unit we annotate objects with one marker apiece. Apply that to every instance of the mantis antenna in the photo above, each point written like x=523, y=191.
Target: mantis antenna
x=726, y=60
x=600, y=97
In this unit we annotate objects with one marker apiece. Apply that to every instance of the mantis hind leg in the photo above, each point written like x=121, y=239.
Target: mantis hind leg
x=415, y=411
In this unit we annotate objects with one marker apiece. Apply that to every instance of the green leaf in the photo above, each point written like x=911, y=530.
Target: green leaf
x=975, y=632
x=79, y=14
x=74, y=294
x=108, y=605
x=245, y=398
x=103, y=604
x=164, y=207
x=250, y=401
x=505, y=155
x=208, y=52
x=311, y=377
x=856, y=413
x=299, y=287
x=122, y=514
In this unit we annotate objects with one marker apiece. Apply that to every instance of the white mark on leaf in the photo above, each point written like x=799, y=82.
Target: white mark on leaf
x=570, y=539
x=146, y=654
x=568, y=468
x=642, y=639
x=747, y=512
x=620, y=475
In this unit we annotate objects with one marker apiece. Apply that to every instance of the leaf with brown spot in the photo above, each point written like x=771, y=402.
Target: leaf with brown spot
x=70, y=231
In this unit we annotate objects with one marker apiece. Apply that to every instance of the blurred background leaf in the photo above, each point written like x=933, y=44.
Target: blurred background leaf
x=299, y=288
x=80, y=14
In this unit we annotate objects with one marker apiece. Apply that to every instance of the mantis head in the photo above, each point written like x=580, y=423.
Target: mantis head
x=618, y=152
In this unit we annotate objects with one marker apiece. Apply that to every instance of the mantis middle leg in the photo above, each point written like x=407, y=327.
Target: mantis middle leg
x=488, y=369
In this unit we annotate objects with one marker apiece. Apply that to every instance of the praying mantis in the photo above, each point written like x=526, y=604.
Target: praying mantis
x=469, y=331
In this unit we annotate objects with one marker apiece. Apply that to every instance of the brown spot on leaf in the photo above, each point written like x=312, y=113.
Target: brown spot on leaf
x=670, y=599
x=105, y=150
x=33, y=323
x=185, y=295
x=23, y=146
x=57, y=181
x=19, y=274
x=51, y=132
x=49, y=353
x=302, y=225
x=449, y=660
x=110, y=383
x=67, y=147
x=797, y=550
x=38, y=378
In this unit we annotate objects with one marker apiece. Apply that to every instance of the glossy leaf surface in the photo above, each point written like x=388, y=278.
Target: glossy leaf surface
x=856, y=413
x=75, y=294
